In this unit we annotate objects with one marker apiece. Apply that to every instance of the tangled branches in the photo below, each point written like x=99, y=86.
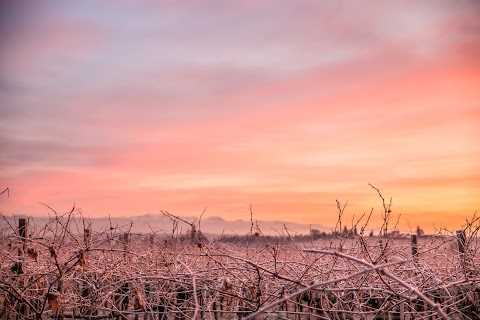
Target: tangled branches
x=65, y=269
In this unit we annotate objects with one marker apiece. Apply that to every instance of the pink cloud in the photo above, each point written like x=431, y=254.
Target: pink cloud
x=284, y=111
x=33, y=48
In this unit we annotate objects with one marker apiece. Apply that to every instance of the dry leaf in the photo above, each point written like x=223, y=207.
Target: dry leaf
x=53, y=253
x=32, y=253
x=82, y=258
x=17, y=267
x=52, y=300
x=139, y=302
x=226, y=285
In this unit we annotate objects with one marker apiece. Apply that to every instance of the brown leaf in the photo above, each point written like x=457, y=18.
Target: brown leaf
x=82, y=258
x=52, y=300
x=53, y=253
x=17, y=267
x=32, y=253
x=139, y=302
x=226, y=285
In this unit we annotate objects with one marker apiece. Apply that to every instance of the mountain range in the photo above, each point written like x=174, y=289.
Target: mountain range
x=214, y=225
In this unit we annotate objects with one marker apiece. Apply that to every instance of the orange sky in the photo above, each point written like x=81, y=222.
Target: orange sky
x=126, y=108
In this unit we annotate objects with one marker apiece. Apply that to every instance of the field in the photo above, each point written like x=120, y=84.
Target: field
x=65, y=270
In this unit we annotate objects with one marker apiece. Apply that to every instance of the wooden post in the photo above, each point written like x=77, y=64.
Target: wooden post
x=87, y=236
x=86, y=305
x=23, y=233
x=402, y=311
x=85, y=287
x=462, y=243
x=125, y=240
x=121, y=299
x=414, y=243
x=125, y=243
x=147, y=294
x=382, y=250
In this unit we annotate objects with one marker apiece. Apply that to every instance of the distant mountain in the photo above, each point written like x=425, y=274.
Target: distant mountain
x=164, y=224
x=215, y=218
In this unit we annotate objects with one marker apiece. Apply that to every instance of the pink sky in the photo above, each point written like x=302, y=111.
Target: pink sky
x=132, y=107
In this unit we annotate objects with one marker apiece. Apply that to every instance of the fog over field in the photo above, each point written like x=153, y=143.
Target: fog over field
x=211, y=225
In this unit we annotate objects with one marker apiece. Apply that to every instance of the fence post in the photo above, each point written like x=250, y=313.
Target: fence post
x=382, y=250
x=462, y=243
x=121, y=299
x=126, y=241
x=86, y=307
x=87, y=235
x=414, y=243
x=23, y=233
x=402, y=311
x=148, y=293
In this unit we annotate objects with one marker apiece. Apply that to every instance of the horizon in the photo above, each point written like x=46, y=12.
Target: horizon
x=268, y=227
x=124, y=108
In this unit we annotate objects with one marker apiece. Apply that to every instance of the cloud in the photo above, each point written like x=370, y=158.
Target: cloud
x=138, y=105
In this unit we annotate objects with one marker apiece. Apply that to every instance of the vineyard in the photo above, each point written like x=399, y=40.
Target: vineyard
x=65, y=270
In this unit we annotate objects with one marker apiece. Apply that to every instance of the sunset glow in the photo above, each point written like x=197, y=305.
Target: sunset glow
x=125, y=108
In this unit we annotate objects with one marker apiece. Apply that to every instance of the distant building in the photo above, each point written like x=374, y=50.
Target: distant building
x=397, y=234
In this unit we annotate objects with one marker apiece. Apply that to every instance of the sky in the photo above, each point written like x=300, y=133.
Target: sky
x=131, y=107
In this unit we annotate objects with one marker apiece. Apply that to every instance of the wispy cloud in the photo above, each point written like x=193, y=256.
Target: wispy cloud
x=131, y=107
